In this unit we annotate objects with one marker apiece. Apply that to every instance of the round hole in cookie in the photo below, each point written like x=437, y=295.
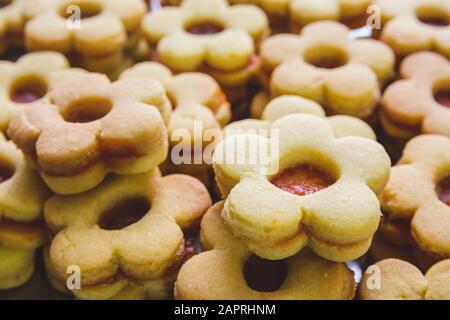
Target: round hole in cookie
x=87, y=110
x=85, y=9
x=443, y=190
x=28, y=89
x=5, y=3
x=326, y=57
x=433, y=16
x=265, y=275
x=124, y=213
x=204, y=28
x=7, y=170
x=303, y=180
x=442, y=96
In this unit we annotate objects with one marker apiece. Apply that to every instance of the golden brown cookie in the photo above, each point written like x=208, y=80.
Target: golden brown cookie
x=228, y=271
x=417, y=198
x=420, y=102
x=89, y=30
x=416, y=25
x=302, y=187
x=400, y=280
x=208, y=36
x=200, y=106
x=137, y=224
x=90, y=127
x=22, y=196
x=325, y=65
x=28, y=80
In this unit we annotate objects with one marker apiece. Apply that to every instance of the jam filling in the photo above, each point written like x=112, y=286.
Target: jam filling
x=29, y=90
x=443, y=98
x=6, y=171
x=204, y=28
x=436, y=20
x=124, y=213
x=87, y=110
x=303, y=180
x=265, y=275
x=443, y=191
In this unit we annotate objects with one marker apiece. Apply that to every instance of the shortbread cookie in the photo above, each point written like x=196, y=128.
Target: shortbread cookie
x=417, y=199
x=420, y=102
x=284, y=105
x=91, y=127
x=208, y=36
x=416, y=25
x=11, y=24
x=22, y=197
x=29, y=80
x=294, y=189
x=152, y=210
x=394, y=279
x=200, y=106
x=325, y=65
x=101, y=30
x=228, y=271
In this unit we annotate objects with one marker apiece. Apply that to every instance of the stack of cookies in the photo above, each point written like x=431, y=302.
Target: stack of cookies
x=225, y=149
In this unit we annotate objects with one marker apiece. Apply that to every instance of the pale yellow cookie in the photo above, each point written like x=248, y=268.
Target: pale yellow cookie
x=416, y=25
x=22, y=197
x=420, y=102
x=86, y=27
x=394, y=279
x=136, y=223
x=220, y=273
x=208, y=35
x=325, y=65
x=90, y=127
x=302, y=187
x=284, y=105
x=418, y=193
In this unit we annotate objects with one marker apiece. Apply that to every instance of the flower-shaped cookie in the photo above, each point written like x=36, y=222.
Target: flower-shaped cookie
x=209, y=35
x=28, y=80
x=136, y=223
x=420, y=103
x=400, y=280
x=417, y=197
x=11, y=23
x=101, y=31
x=91, y=127
x=198, y=101
x=416, y=25
x=324, y=65
x=22, y=197
x=302, y=187
x=229, y=271
x=284, y=105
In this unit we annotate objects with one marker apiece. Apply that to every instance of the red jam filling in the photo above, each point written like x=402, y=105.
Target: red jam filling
x=6, y=171
x=443, y=98
x=124, y=213
x=265, y=275
x=204, y=28
x=28, y=91
x=443, y=191
x=303, y=180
